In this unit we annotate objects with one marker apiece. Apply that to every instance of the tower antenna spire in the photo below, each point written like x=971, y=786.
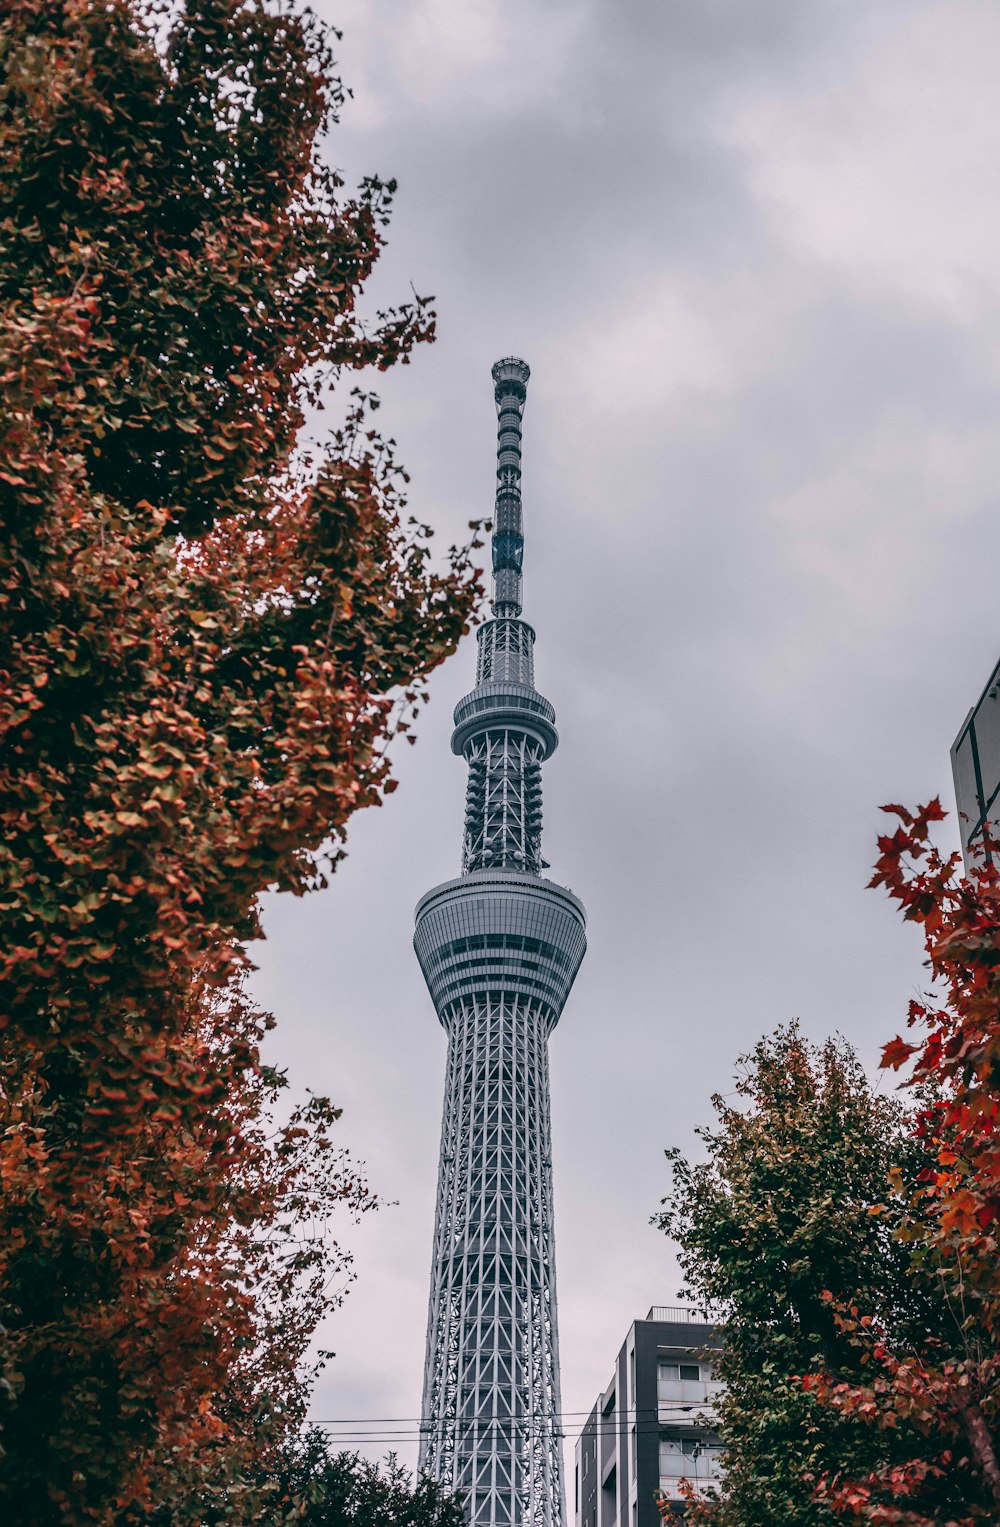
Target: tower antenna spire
x=510, y=386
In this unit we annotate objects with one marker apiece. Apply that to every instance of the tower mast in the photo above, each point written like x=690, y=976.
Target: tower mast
x=499, y=948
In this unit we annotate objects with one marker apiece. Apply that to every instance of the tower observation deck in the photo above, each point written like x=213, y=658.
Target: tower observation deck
x=499, y=948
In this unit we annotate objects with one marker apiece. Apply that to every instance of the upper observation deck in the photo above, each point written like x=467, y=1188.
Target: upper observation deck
x=500, y=932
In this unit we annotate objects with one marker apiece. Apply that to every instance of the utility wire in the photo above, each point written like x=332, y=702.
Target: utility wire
x=630, y=1410
x=535, y=1427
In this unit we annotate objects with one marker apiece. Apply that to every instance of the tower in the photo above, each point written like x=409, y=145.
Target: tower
x=499, y=948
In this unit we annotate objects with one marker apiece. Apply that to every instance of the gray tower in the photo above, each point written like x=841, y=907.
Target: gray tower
x=499, y=949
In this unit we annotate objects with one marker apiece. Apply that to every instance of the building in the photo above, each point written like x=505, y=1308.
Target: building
x=975, y=764
x=499, y=948
x=651, y=1427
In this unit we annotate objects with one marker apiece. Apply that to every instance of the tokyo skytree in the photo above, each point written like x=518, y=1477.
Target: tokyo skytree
x=499, y=948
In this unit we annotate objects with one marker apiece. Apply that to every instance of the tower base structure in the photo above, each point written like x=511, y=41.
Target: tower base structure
x=499, y=951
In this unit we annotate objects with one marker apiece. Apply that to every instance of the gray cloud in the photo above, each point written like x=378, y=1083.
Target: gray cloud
x=749, y=251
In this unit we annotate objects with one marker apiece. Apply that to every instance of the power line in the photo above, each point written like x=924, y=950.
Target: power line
x=678, y=1414
x=630, y=1410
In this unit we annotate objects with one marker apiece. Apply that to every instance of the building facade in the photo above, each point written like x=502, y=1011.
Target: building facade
x=975, y=765
x=499, y=948
x=652, y=1426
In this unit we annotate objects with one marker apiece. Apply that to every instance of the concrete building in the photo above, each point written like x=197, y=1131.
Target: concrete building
x=499, y=947
x=975, y=764
x=652, y=1426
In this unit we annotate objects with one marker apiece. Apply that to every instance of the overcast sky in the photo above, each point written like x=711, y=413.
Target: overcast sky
x=751, y=251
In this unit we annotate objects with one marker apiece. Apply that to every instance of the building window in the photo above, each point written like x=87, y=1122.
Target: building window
x=682, y=1381
x=631, y=1376
x=675, y=1371
x=688, y=1457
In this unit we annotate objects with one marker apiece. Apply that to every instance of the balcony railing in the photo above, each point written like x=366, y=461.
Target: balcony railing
x=703, y=1468
x=678, y=1314
x=688, y=1392
x=670, y=1484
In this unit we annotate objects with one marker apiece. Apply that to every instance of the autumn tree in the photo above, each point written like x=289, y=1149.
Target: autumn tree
x=209, y=637
x=776, y=1235
x=941, y=1387
x=341, y=1489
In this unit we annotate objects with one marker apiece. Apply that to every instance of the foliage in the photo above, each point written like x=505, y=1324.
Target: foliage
x=202, y=630
x=944, y=1386
x=323, y=1489
x=770, y=1225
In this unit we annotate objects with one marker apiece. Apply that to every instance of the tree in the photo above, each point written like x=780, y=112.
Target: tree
x=943, y=1387
x=775, y=1228
x=324, y=1489
x=205, y=631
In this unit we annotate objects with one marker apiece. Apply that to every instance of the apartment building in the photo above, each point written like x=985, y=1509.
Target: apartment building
x=652, y=1426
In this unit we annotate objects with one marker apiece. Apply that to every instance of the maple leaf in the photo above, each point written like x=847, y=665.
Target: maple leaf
x=896, y=1053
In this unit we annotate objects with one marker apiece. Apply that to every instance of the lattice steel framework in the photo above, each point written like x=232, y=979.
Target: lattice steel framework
x=500, y=948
